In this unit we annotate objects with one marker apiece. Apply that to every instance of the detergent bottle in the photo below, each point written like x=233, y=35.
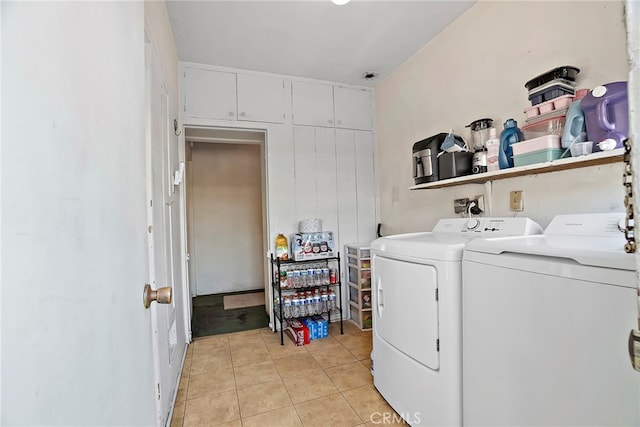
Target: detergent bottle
x=510, y=135
x=575, y=123
x=606, y=114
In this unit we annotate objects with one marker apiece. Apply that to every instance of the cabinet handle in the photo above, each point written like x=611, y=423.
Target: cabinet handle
x=330, y=121
x=339, y=122
x=243, y=114
x=231, y=113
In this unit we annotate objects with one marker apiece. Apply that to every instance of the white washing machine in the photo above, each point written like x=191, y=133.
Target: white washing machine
x=416, y=295
x=545, y=327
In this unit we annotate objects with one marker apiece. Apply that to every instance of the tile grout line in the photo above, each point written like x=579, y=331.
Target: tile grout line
x=281, y=379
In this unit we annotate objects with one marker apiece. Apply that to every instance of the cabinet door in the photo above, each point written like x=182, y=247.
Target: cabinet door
x=353, y=108
x=347, y=194
x=312, y=104
x=365, y=179
x=356, y=185
x=315, y=176
x=260, y=99
x=209, y=94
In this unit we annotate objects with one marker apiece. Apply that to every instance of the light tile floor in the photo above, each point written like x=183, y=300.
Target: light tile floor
x=249, y=379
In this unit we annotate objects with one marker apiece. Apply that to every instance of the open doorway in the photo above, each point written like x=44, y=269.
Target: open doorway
x=226, y=229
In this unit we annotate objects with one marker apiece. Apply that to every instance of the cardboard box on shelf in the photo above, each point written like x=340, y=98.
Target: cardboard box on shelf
x=310, y=246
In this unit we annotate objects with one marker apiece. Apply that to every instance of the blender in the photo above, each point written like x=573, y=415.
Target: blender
x=480, y=134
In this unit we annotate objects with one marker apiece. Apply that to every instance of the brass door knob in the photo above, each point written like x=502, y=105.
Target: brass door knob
x=160, y=295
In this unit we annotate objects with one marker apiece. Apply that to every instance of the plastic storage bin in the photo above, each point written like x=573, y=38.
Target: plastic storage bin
x=566, y=72
x=581, y=148
x=364, y=280
x=548, y=108
x=362, y=298
x=536, y=144
x=362, y=319
x=539, y=156
x=359, y=251
x=550, y=126
x=553, y=92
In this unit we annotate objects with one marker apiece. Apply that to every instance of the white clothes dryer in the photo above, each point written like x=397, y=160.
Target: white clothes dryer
x=546, y=321
x=416, y=295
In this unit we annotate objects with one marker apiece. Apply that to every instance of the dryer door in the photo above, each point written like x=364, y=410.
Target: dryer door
x=406, y=308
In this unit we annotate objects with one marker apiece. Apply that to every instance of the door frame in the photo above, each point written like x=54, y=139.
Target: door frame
x=214, y=125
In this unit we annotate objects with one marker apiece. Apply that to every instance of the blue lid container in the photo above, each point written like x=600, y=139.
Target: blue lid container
x=509, y=136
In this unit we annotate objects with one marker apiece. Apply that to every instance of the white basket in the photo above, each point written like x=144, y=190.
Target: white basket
x=310, y=226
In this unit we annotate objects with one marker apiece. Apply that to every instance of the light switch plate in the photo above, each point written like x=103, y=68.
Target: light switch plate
x=516, y=201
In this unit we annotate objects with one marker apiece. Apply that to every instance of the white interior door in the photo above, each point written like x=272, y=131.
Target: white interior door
x=169, y=342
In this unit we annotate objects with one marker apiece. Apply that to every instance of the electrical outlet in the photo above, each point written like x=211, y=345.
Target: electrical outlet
x=480, y=203
x=460, y=205
x=516, y=201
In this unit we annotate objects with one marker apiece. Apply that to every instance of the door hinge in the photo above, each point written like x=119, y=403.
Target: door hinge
x=158, y=384
x=437, y=296
x=438, y=344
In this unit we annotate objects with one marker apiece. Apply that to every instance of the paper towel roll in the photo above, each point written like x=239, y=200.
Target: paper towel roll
x=310, y=226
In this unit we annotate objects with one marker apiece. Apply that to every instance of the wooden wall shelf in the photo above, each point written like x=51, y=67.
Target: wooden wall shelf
x=594, y=159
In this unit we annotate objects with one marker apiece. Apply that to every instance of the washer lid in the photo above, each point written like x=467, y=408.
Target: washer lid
x=589, y=239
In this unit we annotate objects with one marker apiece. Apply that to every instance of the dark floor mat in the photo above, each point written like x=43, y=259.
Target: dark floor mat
x=210, y=317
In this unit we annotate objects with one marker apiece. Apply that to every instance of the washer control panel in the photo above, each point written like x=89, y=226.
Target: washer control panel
x=488, y=226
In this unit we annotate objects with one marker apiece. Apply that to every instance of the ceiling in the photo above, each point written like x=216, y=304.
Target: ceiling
x=309, y=38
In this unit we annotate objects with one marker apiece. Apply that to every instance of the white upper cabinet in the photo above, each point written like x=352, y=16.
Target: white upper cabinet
x=312, y=104
x=353, y=108
x=209, y=94
x=261, y=98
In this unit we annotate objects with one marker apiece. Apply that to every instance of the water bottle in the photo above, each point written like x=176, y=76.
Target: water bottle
x=295, y=306
x=509, y=136
x=302, y=308
x=296, y=278
x=332, y=301
x=316, y=302
x=287, y=307
x=309, y=303
x=276, y=304
x=324, y=302
x=493, y=148
x=303, y=278
x=290, y=279
x=325, y=275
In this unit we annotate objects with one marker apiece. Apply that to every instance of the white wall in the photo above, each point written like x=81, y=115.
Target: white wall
x=227, y=217
x=158, y=27
x=477, y=68
x=76, y=340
